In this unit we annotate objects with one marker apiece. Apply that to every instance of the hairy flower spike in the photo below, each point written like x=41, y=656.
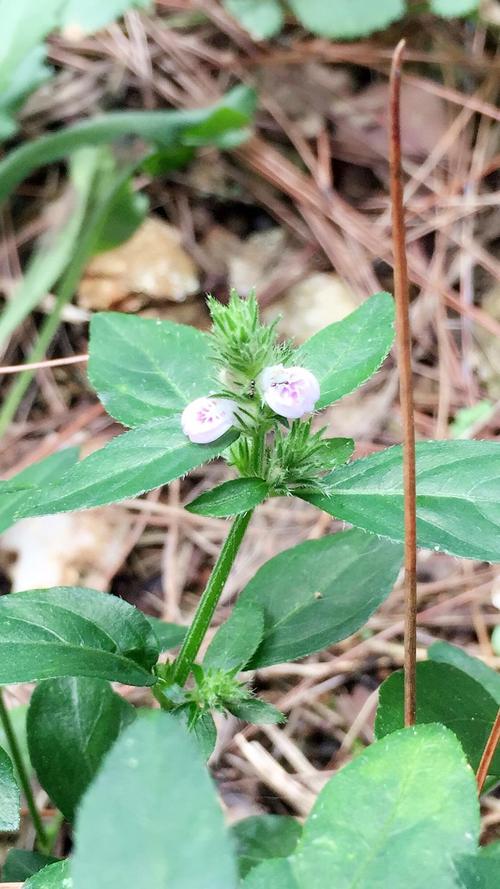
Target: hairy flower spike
x=206, y=419
x=290, y=392
x=243, y=346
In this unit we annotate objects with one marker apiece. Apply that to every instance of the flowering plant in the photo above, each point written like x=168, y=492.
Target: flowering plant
x=241, y=395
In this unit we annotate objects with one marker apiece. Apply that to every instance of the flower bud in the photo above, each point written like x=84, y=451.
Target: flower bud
x=206, y=419
x=289, y=391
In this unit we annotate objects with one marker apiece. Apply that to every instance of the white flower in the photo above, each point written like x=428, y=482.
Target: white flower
x=206, y=419
x=289, y=391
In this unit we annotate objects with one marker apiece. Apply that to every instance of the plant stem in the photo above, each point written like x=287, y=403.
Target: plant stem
x=210, y=598
x=401, y=292
x=42, y=837
x=488, y=753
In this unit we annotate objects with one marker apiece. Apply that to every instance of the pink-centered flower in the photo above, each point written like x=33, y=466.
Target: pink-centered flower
x=289, y=391
x=206, y=419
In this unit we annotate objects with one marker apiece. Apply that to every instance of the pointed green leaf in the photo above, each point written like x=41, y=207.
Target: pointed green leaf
x=450, y=9
x=319, y=592
x=22, y=863
x=231, y=498
x=261, y=837
x=346, y=354
x=9, y=795
x=448, y=696
x=347, y=19
x=54, y=876
x=71, y=631
x=274, y=874
x=394, y=817
x=458, y=496
x=236, y=640
x=18, y=716
x=72, y=723
x=202, y=728
x=172, y=835
x=168, y=635
x=13, y=491
x=257, y=711
x=142, y=368
x=478, y=871
x=444, y=653
x=132, y=463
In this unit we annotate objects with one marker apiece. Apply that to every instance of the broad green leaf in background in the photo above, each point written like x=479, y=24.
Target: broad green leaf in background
x=396, y=816
x=444, y=653
x=124, y=214
x=347, y=19
x=448, y=696
x=458, y=496
x=54, y=250
x=172, y=835
x=261, y=18
x=140, y=460
x=22, y=54
x=54, y=876
x=72, y=723
x=161, y=128
x=264, y=836
x=236, y=640
x=9, y=794
x=478, y=871
x=43, y=472
x=168, y=635
x=71, y=631
x=276, y=873
x=450, y=9
x=23, y=863
x=142, y=368
x=230, y=498
x=345, y=354
x=92, y=15
x=319, y=592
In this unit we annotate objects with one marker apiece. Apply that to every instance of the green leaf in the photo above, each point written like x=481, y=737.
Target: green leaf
x=477, y=872
x=458, y=496
x=163, y=128
x=347, y=19
x=202, y=728
x=256, y=710
x=72, y=723
x=346, y=354
x=261, y=18
x=448, y=696
x=71, y=631
x=449, y=9
x=172, y=835
x=13, y=491
x=444, y=653
x=261, y=837
x=54, y=249
x=168, y=635
x=22, y=863
x=336, y=451
x=230, y=498
x=124, y=214
x=319, y=592
x=273, y=874
x=142, y=368
x=18, y=716
x=92, y=15
x=9, y=794
x=54, y=876
x=138, y=461
x=236, y=640
x=394, y=817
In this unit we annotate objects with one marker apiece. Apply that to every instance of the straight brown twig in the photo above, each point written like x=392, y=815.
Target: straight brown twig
x=488, y=753
x=401, y=292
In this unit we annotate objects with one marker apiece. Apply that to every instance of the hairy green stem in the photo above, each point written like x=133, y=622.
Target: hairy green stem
x=209, y=599
x=42, y=838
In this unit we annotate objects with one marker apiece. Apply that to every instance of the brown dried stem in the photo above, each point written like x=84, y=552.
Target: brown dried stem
x=488, y=753
x=401, y=292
